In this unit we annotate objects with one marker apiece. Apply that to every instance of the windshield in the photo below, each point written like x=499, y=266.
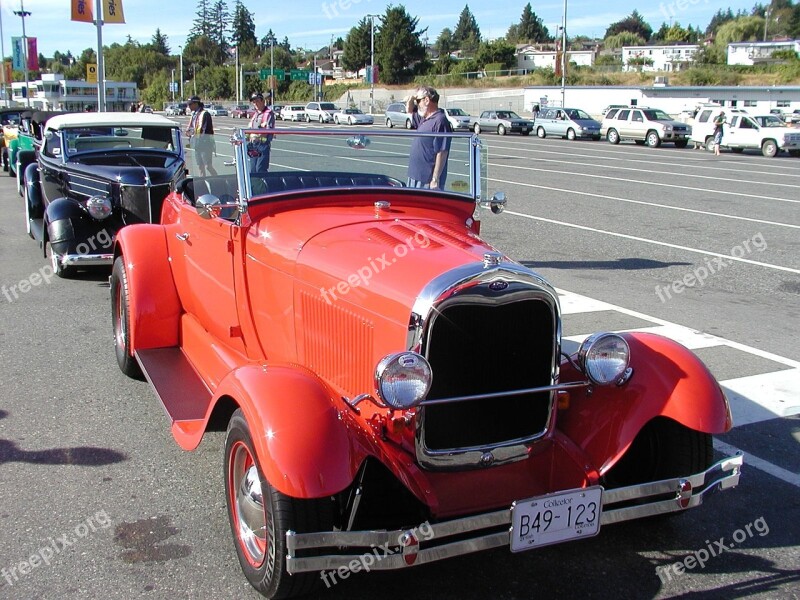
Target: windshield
x=507, y=114
x=770, y=121
x=302, y=159
x=456, y=112
x=657, y=115
x=86, y=139
x=353, y=111
x=327, y=106
x=575, y=113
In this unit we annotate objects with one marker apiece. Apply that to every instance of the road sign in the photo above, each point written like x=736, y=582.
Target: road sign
x=315, y=80
x=299, y=74
x=280, y=74
x=173, y=86
x=263, y=74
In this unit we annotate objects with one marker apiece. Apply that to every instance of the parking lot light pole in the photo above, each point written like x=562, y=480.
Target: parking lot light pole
x=180, y=48
x=372, y=63
x=564, y=58
x=172, y=85
x=22, y=13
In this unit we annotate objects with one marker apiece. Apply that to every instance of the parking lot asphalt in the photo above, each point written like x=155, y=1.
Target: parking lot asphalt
x=701, y=248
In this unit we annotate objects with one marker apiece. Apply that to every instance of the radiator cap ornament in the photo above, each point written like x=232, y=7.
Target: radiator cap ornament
x=491, y=259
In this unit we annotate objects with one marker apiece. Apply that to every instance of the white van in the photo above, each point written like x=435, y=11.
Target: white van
x=703, y=125
x=743, y=131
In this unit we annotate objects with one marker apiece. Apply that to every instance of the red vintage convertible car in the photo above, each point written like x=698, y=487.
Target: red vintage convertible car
x=394, y=388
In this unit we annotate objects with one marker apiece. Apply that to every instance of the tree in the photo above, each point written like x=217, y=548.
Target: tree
x=159, y=43
x=530, y=28
x=741, y=29
x=634, y=24
x=357, y=46
x=720, y=17
x=202, y=23
x=467, y=35
x=243, y=29
x=221, y=22
x=624, y=38
x=445, y=43
x=398, y=45
x=497, y=51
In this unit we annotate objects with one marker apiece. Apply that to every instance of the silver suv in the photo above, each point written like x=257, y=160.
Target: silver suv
x=320, y=111
x=644, y=125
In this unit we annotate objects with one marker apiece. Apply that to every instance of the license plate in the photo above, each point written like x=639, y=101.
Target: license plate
x=555, y=518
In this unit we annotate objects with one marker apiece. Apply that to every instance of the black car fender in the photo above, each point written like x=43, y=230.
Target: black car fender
x=24, y=158
x=60, y=218
x=33, y=191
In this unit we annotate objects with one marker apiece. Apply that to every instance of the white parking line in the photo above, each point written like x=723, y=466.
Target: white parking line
x=759, y=463
x=654, y=242
x=667, y=206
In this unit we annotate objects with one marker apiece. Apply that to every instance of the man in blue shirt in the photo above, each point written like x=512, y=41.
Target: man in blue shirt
x=427, y=165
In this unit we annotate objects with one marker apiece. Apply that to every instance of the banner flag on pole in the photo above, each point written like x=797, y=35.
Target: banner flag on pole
x=33, y=55
x=82, y=11
x=112, y=11
x=17, y=54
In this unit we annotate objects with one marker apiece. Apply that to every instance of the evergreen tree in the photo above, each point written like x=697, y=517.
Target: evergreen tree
x=719, y=18
x=530, y=28
x=202, y=24
x=159, y=43
x=243, y=29
x=633, y=23
x=357, y=46
x=221, y=22
x=467, y=35
x=445, y=43
x=398, y=45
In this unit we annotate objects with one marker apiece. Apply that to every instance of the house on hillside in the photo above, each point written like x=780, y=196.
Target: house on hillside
x=658, y=58
x=752, y=53
x=530, y=57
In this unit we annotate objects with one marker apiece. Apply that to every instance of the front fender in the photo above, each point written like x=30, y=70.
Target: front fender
x=668, y=381
x=155, y=308
x=32, y=190
x=302, y=443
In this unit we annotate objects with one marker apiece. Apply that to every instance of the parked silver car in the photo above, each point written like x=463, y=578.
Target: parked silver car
x=502, y=121
x=570, y=123
x=458, y=118
x=351, y=116
x=396, y=115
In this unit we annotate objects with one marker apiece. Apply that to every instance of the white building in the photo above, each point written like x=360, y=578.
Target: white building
x=750, y=53
x=53, y=92
x=533, y=57
x=658, y=58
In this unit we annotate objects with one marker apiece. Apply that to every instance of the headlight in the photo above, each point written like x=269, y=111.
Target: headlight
x=99, y=207
x=667, y=127
x=604, y=357
x=403, y=379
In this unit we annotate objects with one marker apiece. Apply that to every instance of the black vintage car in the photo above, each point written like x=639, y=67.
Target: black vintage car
x=22, y=149
x=94, y=174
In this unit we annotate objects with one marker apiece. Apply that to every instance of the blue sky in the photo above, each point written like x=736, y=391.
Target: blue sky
x=311, y=23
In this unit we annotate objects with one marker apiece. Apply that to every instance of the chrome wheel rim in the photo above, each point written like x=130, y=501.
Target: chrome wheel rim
x=249, y=515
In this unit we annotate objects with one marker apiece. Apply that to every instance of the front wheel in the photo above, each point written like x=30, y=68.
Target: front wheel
x=121, y=320
x=308, y=119
x=321, y=120
x=769, y=148
x=570, y=134
x=389, y=123
x=710, y=144
x=408, y=123
x=260, y=516
x=476, y=128
x=501, y=130
x=62, y=271
x=653, y=140
x=541, y=132
x=612, y=136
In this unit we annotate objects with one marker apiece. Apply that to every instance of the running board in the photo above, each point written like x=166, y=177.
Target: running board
x=183, y=394
x=37, y=229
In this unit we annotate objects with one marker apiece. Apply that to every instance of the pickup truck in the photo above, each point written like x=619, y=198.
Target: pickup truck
x=765, y=132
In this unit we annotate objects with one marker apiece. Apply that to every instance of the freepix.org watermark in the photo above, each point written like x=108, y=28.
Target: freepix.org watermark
x=364, y=562
x=699, y=558
x=43, y=556
x=362, y=276
x=669, y=10
x=697, y=277
x=12, y=292
x=331, y=9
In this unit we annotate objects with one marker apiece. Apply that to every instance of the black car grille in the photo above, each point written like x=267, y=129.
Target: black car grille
x=488, y=348
x=142, y=204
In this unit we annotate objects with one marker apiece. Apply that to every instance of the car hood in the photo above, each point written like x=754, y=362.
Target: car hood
x=587, y=123
x=126, y=167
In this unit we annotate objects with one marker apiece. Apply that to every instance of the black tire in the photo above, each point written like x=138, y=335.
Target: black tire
x=501, y=129
x=541, y=132
x=476, y=128
x=389, y=123
x=710, y=144
x=652, y=139
x=28, y=228
x=121, y=320
x=5, y=159
x=612, y=136
x=769, y=148
x=321, y=120
x=681, y=143
x=263, y=559
x=60, y=270
x=308, y=118
x=570, y=134
x=663, y=449
x=408, y=123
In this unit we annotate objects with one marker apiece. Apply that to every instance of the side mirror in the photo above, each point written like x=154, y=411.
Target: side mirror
x=497, y=204
x=208, y=206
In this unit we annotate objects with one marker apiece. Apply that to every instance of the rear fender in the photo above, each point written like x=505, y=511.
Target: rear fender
x=303, y=445
x=155, y=308
x=668, y=381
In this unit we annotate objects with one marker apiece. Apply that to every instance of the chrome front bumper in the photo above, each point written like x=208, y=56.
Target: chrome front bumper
x=85, y=260
x=402, y=548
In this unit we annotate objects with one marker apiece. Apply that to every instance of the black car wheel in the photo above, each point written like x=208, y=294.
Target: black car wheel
x=476, y=128
x=570, y=134
x=408, y=123
x=63, y=271
x=501, y=129
x=389, y=123
x=28, y=227
x=612, y=136
x=260, y=516
x=541, y=132
x=121, y=320
x=769, y=148
x=663, y=449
